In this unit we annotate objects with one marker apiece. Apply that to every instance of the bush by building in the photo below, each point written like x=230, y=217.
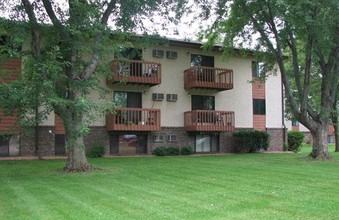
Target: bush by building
x=252, y=140
x=295, y=139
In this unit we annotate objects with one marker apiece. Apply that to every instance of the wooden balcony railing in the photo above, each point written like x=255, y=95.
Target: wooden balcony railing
x=208, y=120
x=133, y=119
x=208, y=78
x=136, y=72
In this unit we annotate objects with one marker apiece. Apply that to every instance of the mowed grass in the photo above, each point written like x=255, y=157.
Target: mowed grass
x=243, y=186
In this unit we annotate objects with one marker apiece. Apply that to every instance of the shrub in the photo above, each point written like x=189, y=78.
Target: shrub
x=295, y=139
x=96, y=150
x=160, y=151
x=186, y=150
x=173, y=151
x=251, y=140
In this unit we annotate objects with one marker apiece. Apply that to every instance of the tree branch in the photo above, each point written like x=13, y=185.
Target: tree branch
x=36, y=38
x=88, y=71
x=308, y=64
x=50, y=12
x=295, y=62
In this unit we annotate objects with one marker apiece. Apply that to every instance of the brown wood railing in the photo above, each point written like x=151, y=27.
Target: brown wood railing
x=133, y=119
x=208, y=78
x=136, y=72
x=208, y=120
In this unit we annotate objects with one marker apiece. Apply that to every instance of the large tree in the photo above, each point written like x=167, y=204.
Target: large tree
x=69, y=46
x=290, y=30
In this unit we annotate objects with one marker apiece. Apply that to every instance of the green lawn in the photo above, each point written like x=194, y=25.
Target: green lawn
x=244, y=186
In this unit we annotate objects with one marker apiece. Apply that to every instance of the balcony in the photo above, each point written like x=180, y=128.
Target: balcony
x=133, y=119
x=200, y=77
x=208, y=120
x=137, y=72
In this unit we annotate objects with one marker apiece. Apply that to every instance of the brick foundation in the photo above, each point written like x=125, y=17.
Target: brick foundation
x=98, y=134
x=183, y=138
x=46, y=142
x=276, y=139
x=227, y=143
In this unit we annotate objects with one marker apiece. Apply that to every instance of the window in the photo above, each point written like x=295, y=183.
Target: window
x=128, y=144
x=201, y=60
x=128, y=99
x=206, y=143
x=295, y=123
x=200, y=102
x=60, y=143
x=128, y=68
x=257, y=69
x=4, y=145
x=129, y=54
x=259, y=107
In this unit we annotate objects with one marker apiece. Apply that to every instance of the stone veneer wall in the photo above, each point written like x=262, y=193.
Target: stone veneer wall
x=183, y=138
x=276, y=139
x=46, y=142
x=276, y=136
x=100, y=135
x=227, y=143
x=97, y=135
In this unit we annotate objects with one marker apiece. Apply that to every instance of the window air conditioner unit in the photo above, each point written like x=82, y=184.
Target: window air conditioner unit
x=158, y=53
x=158, y=96
x=172, y=55
x=158, y=138
x=172, y=97
x=171, y=138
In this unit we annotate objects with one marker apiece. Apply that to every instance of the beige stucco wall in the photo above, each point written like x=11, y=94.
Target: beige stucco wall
x=239, y=99
x=273, y=92
x=302, y=128
x=173, y=83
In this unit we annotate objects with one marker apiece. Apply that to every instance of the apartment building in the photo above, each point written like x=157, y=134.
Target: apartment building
x=171, y=95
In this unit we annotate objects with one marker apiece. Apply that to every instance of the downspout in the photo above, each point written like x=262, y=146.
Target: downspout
x=283, y=114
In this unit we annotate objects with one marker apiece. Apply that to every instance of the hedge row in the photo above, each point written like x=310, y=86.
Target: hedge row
x=172, y=151
x=251, y=140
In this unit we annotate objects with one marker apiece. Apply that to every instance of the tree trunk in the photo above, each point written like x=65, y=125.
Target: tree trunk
x=336, y=136
x=319, y=148
x=335, y=121
x=76, y=161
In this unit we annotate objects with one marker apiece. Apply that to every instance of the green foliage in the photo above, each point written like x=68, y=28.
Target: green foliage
x=172, y=151
x=187, y=150
x=95, y=150
x=252, y=141
x=299, y=37
x=67, y=53
x=285, y=147
x=295, y=139
x=160, y=151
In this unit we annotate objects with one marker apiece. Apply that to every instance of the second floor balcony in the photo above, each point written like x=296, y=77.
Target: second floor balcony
x=133, y=119
x=208, y=78
x=138, y=72
x=209, y=120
